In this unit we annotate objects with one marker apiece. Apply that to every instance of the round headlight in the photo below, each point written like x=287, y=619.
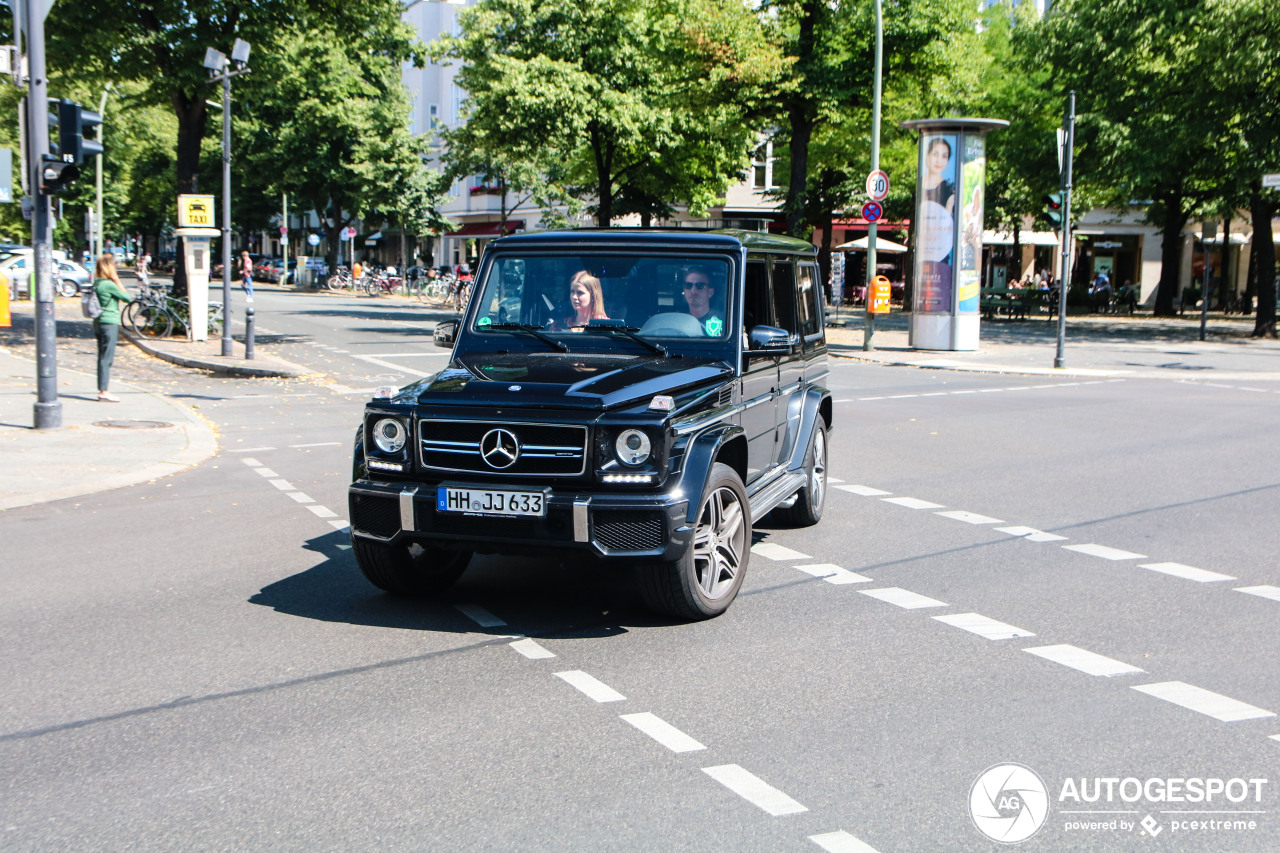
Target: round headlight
x=389, y=435
x=632, y=447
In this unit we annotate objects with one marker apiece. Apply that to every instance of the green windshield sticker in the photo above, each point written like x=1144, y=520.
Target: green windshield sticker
x=485, y=321
x=715, y=327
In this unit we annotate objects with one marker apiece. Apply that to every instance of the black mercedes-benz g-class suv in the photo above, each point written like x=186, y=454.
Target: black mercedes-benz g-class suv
x=636, y=395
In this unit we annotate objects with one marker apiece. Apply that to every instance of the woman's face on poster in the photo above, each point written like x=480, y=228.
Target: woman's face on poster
x=939, y=156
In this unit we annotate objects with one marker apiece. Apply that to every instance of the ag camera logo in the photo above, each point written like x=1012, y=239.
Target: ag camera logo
x=1008, y=803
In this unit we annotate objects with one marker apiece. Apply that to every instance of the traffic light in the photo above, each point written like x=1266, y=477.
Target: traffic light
x=1053, y=208
x=76, y=132
x=75, y=141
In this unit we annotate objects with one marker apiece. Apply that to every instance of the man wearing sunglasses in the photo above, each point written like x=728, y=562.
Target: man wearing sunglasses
x=695, y=283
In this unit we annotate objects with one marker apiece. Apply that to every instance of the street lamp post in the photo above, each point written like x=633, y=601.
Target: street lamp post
x=221, y=72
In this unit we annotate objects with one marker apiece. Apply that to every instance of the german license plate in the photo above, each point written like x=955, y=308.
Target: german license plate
x=490, y=502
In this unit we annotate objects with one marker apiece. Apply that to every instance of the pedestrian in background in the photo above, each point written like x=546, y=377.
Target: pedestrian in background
x=246, y=274
x=143, y=269
x=106, y=327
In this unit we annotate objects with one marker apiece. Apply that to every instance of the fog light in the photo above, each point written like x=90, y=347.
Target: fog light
x=628, y=478
x=378, y=465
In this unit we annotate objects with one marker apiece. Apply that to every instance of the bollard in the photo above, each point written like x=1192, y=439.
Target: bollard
x=248, y=333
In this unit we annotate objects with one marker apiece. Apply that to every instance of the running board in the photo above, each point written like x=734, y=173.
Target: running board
x=775, y=493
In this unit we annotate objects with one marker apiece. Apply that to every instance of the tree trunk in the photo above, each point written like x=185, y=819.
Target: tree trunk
x=1170, y=255
x=1017, y=253
x=800, y=114
x=192, y=121
x=1264, y=325
x=604, y=178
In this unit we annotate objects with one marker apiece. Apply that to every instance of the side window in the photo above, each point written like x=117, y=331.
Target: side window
x=755, y=303
x=807, y=300
x=784, y=295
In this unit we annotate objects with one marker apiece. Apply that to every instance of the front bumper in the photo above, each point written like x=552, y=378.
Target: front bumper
x=609, y=525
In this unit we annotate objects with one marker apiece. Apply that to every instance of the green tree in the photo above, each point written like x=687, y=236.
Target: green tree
x=645, y=102
x=1137, y=69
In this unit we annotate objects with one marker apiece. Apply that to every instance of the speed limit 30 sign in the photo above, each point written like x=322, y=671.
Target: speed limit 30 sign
x=878, y=185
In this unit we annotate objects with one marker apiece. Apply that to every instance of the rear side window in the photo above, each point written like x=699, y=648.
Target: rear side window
x=784, y=294
x=807, y=302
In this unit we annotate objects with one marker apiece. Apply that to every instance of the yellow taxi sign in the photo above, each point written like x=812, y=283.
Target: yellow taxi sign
x=195, y=211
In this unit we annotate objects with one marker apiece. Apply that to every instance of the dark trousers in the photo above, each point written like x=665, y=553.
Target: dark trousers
x=106, y=333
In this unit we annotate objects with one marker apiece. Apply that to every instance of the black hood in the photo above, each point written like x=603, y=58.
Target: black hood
x=563, y=380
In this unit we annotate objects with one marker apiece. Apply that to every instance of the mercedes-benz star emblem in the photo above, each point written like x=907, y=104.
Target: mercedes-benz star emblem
x=499, y=448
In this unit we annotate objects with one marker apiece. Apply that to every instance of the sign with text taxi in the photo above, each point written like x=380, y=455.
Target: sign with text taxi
x=195, y=211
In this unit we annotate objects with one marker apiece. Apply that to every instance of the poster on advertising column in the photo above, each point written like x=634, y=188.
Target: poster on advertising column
x=936, y=215
x=972, y=182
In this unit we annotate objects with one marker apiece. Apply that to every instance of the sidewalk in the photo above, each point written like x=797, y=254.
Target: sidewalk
x=103, y=446
x=1112, y=346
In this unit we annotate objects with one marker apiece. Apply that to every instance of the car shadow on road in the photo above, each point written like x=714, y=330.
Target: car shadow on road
x=541, y=598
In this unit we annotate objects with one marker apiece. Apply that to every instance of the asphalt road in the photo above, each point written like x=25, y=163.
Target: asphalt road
x=197, y=664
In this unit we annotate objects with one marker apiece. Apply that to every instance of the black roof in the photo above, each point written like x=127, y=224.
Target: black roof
x=690, y=238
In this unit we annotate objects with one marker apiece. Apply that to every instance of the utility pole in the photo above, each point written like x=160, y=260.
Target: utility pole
x=48, y=408
x=870, y=321
x=1059, y=360
x=284, y=238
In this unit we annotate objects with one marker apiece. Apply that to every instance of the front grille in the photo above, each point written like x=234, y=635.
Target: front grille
x=628, y=530
x=375, y=514
x=544, y=449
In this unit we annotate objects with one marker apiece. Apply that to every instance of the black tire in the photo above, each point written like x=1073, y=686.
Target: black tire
x=812, y=499
x=409, y=569
x=706, y=579
x=151, y=322
x=68, y=288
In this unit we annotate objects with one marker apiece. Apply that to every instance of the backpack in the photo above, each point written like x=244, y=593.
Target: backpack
x=89, y=304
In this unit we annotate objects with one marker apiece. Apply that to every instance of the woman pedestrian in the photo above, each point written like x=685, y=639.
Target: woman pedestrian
x=246, y=274
x=106, y=327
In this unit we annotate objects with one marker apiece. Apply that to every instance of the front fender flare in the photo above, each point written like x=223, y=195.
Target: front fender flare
x=703, y=452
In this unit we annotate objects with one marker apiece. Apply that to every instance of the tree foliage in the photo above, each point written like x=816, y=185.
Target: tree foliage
x=640, y=100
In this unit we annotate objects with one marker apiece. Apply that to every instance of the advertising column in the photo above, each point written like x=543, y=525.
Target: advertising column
x=948, y=232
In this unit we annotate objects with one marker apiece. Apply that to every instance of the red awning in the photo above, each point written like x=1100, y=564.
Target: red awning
x=485, y=229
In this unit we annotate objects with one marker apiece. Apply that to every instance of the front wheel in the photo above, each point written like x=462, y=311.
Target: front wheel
x=335, y=283
x=810, y=500
x=704, y=581
x=411, y=569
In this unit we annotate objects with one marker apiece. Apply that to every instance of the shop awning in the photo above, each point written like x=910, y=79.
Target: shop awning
x=485, y=229
x=1025, y=238
x=882, y=245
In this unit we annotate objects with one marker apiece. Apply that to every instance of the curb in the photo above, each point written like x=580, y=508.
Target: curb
x=287, y=370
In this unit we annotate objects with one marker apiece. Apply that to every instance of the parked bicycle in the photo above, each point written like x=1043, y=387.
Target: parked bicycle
x=341, y=280
x=157, y=314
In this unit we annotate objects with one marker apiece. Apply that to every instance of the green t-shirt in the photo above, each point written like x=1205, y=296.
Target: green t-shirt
x=113, y=298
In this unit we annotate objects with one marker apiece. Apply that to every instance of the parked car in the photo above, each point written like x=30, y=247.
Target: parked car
x=68, y=280
x=652, y=439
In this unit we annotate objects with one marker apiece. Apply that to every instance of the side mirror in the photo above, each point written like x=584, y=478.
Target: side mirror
x=446, y=333
x=770, y=339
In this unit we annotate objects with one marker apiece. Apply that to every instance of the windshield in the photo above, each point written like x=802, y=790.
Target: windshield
x=657, y=296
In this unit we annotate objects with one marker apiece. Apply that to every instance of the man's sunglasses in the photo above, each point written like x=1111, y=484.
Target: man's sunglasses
x=700, y=285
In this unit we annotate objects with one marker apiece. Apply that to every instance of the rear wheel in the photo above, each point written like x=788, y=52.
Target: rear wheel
x=335, y=283
x=810, y=500
x=705, y=580
x=411, y=569
x=67, y=288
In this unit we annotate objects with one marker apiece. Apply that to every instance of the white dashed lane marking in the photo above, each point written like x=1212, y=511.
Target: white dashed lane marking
x=531, y=649
x=841, y=842
x=663, y=732
x=912, y=503
x=968, y=517
x=865, y=491
x=1087, y=662
x=590, y=687
x=1191, y=573
x=339, y=524
x=1264, y=591
x=322, y=511
x=282, y=485
x=302, y=498
x=773, y=551
x=1203, y=701
x=903, y=598
x=976, y=623
x=478, y=614
x=831, y=573
x=266, y=472
x=754, y=790
x=1105, y=552
x=1274, y=737
x=1031, y=534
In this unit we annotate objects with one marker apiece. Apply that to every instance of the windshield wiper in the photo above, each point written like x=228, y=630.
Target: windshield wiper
x=629, y=331
x=530, y=329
